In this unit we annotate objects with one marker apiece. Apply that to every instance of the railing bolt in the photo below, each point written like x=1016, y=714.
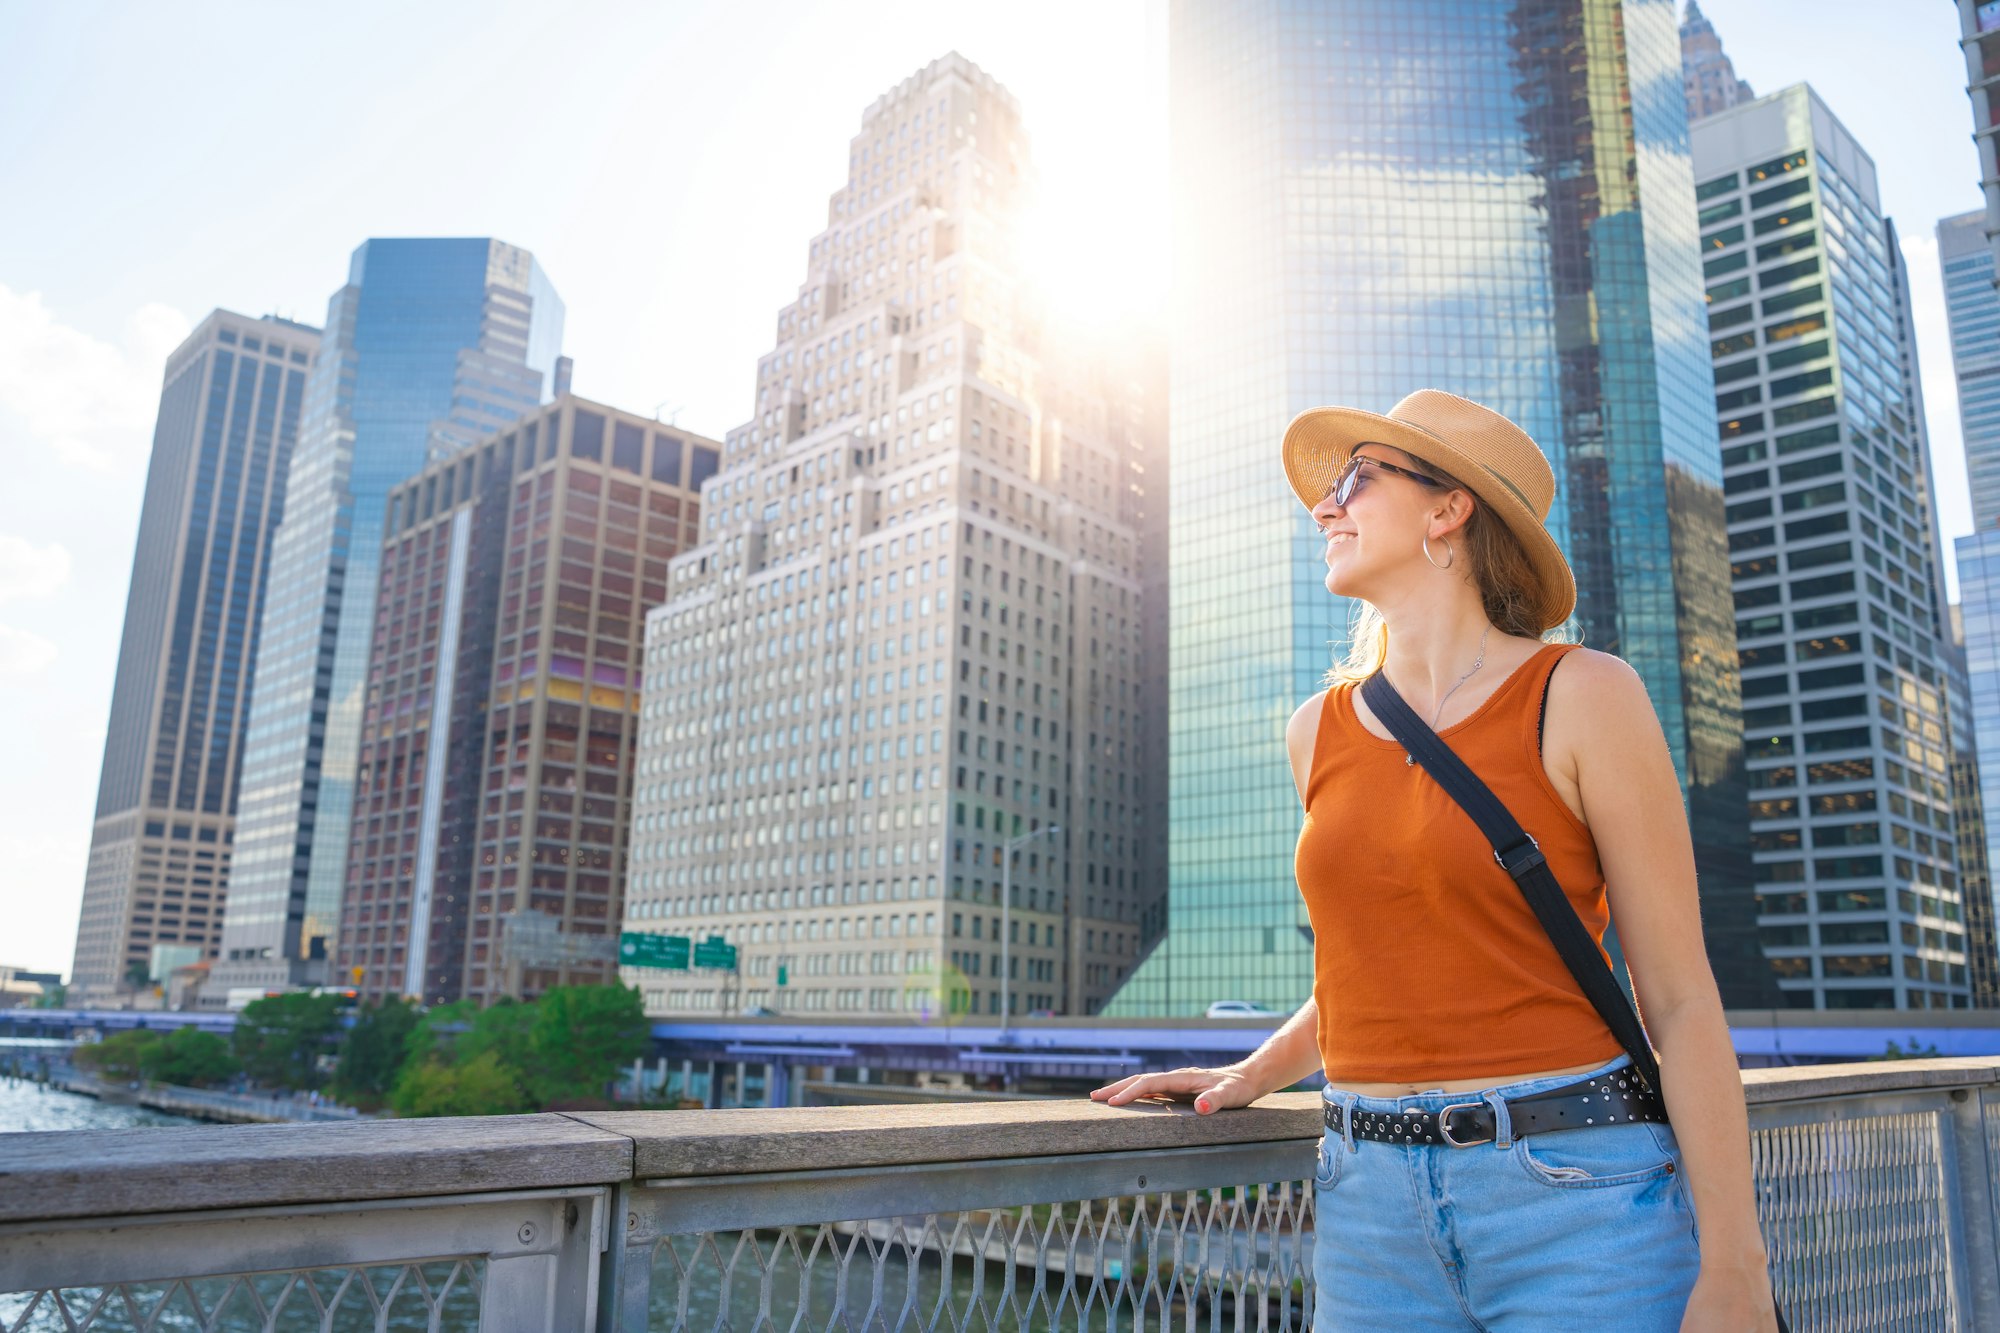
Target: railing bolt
x=1142, y=1182
x=631, y=1221
x=526, y=1233
x=1960, y=1094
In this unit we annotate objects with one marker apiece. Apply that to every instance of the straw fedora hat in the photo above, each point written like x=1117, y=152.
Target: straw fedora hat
x=1493, y=457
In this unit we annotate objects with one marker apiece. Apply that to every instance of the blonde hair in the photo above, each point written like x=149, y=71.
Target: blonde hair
x=1509, y=591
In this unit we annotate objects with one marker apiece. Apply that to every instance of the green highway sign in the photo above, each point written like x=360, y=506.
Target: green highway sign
x=637, y=949
x=712, y=952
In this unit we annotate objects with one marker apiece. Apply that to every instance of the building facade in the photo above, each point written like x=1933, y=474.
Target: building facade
x=165, y=824
x=497, y=740
x=1979, y=38
x=1972, y=309
x=909, y=642
x=1833, y=536
x=1344, y=238
x=431, y=345
x=1707, y=73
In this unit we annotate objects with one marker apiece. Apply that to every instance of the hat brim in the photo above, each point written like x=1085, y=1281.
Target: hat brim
x=1320, y=439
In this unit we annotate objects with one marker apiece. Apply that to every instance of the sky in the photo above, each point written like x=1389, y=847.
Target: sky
x=667, y=164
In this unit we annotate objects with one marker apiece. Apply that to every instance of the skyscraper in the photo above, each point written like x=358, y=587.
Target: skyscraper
x=166, y=798
x=1832, y=531
x=1979, y=28
x=1706, y=71
x=1972, y=307
x=1345, y=236
x=908, y=644
x=503, y=700
x=431, y=345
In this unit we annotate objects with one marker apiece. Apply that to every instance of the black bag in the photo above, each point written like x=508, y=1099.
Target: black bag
x=1521, y=857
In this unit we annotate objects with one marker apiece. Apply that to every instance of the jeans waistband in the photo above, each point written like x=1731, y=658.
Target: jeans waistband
x=1434, y=1101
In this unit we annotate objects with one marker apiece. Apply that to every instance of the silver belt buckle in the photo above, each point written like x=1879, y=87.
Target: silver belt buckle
x=1444, y=1125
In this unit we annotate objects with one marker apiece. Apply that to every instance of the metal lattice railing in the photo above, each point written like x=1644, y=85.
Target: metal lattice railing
x=438, y=1297
x=1233, y=1257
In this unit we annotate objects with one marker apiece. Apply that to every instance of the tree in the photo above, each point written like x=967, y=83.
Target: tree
x=138, y=974
x=120, y=1055
x=280, y=1038
x=582, y=1036
x=482, y=1085
x=455, y=1037
x=189, y=1057
x=374, y=1052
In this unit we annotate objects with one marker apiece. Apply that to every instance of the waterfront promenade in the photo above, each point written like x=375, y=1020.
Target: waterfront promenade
x=1877, y=1187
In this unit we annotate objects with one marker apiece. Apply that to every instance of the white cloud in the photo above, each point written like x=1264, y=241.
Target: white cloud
x=87, y=401
x=23, y=653
x=27, y=570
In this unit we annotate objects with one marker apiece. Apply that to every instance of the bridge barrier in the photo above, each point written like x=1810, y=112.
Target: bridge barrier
x=1876, y=1188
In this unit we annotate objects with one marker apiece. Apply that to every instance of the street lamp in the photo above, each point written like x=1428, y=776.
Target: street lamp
x=1006, y=903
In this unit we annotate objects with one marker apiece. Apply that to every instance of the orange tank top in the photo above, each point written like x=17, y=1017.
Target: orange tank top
x=1427, y=962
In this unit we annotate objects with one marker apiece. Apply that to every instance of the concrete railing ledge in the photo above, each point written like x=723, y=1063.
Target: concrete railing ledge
x=110, y=1173
x=1763, y=1087
x=102, y=1173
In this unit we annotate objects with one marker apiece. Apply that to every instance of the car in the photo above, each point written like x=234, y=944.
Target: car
x=759, y=1011
x=1239, y=1009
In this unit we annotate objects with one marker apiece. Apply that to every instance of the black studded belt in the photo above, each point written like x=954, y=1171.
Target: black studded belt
x=1606, y=1099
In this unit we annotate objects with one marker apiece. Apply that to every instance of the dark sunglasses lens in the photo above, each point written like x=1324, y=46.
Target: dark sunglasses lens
x=1343, y=486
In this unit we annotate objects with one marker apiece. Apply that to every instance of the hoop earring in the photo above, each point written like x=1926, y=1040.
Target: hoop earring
x=1449, y=554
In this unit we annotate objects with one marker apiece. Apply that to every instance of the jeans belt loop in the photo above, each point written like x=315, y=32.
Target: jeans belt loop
x=1345, y=1101
x=1503, y=1124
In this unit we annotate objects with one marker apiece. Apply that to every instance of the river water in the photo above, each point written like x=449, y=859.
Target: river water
x=26, y=1105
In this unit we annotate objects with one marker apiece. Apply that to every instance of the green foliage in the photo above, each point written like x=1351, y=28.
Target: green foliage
x=482, y=1085
x=374, y=1051
x=1916, y=1050
x=280, y=1038
x=138, y=974
x=582, y=1036
x=189, y=1057
x=119, y=1056
x=52, y=997
x=511, y=1057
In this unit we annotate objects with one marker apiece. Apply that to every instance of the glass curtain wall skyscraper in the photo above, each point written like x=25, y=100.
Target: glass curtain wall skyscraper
x=166, y=799
x=431, y=345
x=1372, y=197
x=1972, y=307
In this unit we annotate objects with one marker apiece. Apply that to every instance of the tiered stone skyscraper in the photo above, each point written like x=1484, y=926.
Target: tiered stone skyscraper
x=431, y=345
x=911, y=633
x=166, y=800
x=1706, y=69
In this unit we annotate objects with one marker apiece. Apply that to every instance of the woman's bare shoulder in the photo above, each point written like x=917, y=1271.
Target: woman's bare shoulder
x=1300, y=733
x=1597, y=678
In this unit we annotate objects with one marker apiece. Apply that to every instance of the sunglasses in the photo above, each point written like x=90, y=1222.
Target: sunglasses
x=1343, y=485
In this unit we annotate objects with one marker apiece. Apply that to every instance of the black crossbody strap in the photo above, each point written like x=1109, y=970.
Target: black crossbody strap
x=1522, y=859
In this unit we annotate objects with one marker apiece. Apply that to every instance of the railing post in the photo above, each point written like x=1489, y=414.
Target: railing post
x=625, y=1292
x=550, y=1284
x=1978, y=1211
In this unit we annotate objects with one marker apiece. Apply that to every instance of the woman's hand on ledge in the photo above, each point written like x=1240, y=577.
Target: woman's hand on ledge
x=1210, y=1089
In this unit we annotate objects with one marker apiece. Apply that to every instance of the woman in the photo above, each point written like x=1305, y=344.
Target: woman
x=1438, y=1001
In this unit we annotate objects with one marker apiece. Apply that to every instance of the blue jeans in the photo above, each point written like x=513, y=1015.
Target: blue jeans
x=1589, y=1228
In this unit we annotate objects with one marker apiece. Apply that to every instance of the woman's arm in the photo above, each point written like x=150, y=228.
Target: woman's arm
x=1602, y=726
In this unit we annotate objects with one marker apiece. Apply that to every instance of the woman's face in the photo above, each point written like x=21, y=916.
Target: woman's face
x=1372, y=539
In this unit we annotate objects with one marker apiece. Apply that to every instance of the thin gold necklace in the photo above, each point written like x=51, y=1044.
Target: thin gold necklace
x=1477, y=663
